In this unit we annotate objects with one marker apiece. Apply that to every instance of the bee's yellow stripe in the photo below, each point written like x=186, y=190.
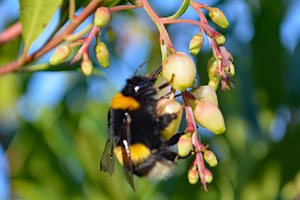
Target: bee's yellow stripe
x=122, y=102
x=138, y=153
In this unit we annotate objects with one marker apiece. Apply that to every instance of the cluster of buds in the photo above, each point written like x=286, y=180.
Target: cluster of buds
x=180, y=71
x=101, y=18
x=215, y=72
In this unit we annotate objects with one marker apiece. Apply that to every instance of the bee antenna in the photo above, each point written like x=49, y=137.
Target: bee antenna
x=147, y=60
x=156, y=72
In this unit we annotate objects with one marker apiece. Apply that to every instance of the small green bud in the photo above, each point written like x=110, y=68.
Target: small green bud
x=196, y=44
x=210, y=158
x=184, y=145
x=87, y=67
x=102, y=54
x=180, y=70
x=60, y=54
x=102, y=17
x=231, y=72
x=209, y=116
x=220, y=39
x=193, y=175
x=218, y=17
x=208, y=177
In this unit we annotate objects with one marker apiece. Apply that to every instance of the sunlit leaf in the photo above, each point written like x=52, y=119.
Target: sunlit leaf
x=35, y=15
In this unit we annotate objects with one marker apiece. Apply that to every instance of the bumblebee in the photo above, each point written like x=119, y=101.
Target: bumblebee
x=135, y=133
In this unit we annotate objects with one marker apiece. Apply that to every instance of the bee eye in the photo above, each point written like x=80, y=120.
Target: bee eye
x=142, y=86
x=136, y=88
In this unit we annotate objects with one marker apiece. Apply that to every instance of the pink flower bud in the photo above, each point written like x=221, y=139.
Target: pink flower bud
x=193, y=175
x=184, y=145
x=218, y=17
x=102, y=17
x=196, y=44
x=208, y=177
x=87, y=67
x=182, y=68
x=209, y=116
x=102, y=54
x=60, y=54
x=170, y=106
x=205, y=93
x=210, y=158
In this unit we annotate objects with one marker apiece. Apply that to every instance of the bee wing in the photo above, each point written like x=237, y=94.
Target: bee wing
x=127, y=162
x=107, y=163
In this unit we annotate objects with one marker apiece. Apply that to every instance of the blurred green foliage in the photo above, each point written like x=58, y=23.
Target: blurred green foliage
x=57, y=155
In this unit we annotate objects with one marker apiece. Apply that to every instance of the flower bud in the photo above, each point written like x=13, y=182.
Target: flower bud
x=212, y=66
x=184, y=145
x=210, y=158
x=220, y=39
x=60, y=54
x=209, y=116
x=102, y=54
x=102, y=17
x=87, y=67
x=208, y=177
x=218, y=17
x=193, y=175
x=196, y=44
x=214, y=82
x=231, y=72
x=180, y=70
x=170, y=106
x=205, y=93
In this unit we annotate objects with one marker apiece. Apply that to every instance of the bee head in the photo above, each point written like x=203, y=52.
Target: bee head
x=139, y=86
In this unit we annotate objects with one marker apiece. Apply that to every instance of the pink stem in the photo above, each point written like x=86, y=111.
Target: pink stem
x=206, y=27
x=84, y=50
x=225, y=60
x=124, y=7
x=195, y=139
x=11, y=33
x=157, y=20
x=197, y=6
x=215, y=49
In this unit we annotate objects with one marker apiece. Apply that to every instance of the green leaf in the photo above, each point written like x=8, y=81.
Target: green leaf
x=35, y=15
x=9, y=51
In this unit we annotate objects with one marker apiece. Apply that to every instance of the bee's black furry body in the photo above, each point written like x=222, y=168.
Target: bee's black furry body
x=133, y=118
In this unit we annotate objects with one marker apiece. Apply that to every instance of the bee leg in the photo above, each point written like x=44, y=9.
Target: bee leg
x=183, y=157
x=165, y=84
x=165, y=120
x=174, y=139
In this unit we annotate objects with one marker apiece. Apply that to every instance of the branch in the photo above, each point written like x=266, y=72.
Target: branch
x=157, y=20
x=11, y=33
x=13, y=66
